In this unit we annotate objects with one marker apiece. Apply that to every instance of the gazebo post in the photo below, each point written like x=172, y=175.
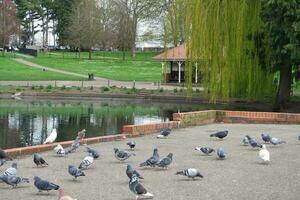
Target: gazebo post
x=196, y=81
x=179, y=71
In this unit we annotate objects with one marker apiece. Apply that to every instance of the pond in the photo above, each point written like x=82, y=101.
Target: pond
x=27, y=122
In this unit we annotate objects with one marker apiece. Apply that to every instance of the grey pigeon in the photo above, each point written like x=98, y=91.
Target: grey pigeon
x=131, y=144
x=221, y=153
x=166, y=162
x=253, y=143
x=220, y=134
x=190, y=173
x=121, y=154
x=166, y=132
x=39, y=161
x=86, y=162
x=74, y=171
x=276, y=141
x=130, y=172
x=265, y=137
x=74, y=146
x=205, y=150
x=152, y=161
x=2, y=162
x=43, y=185
x=12, y=171
x=13, y=180
x=93, y=152
x=3, y=155
x=138, y=189
x=246, y=141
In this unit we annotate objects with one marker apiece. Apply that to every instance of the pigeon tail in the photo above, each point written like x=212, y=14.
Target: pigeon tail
x=143, y=164
x=179, y=173
x=212, y=135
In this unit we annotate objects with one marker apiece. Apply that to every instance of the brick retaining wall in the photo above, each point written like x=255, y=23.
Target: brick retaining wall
x=180, y=120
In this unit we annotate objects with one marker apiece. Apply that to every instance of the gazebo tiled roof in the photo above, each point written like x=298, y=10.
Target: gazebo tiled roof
x=175, y=54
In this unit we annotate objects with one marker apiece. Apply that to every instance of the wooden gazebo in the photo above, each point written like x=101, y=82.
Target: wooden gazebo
x=175, y=58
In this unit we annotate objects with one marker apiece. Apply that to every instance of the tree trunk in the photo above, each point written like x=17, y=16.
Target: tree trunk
x=134, y=30
x=284, y=88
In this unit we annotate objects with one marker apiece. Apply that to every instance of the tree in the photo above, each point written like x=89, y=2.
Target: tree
x=221, y=38
x=137, y=10
x=282, y=26
x=85, y=29
x=8, y=22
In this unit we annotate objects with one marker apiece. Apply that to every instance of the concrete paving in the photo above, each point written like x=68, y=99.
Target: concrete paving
x=240, y=176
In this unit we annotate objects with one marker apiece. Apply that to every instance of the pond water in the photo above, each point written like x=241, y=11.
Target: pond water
x=26, y=123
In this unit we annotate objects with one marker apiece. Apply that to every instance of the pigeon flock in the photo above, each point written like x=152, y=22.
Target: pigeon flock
x=10, y=177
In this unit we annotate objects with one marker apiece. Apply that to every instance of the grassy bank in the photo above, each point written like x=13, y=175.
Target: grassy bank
x=108, y=65
x=11, y=70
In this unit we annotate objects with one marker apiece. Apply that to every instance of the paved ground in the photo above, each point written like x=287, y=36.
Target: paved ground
x=240, y=176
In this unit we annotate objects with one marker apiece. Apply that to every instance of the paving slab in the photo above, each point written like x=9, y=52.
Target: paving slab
x=240, y=176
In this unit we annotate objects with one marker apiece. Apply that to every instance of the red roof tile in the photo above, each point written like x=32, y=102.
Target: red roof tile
x=174, y=54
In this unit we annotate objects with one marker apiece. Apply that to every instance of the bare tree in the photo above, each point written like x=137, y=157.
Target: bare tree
x=8, y=22
x=137, y=10
x=86, y=26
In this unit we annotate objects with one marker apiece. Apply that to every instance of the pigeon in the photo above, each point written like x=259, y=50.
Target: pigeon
x=276, y=141
x=298, y=137
x=190, y=173
x=86, y=162
x=220, y=134
x=246, y=141
x=166, y=162
x=221, y=153
x=74, y=171
x=3, y=155
x=39, y=161
x=265, y=137
x=43, y=185
x=205, y=150
x=93, y=152
x=131, y=144
x=13, y=180
x=138, y=189
x=253, y=143
x=153, y=160
x=59, y=150
x=12, y=171
x=264, y=154
x=81, y=134
x=122, y=154
x=62, y=196
x=52, y=137
x=74, y=146
x=165, y=133
x=130, y=172
x=2, y=162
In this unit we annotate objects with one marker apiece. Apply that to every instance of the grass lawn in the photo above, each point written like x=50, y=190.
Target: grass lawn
x=11, y=70
x=105, y=64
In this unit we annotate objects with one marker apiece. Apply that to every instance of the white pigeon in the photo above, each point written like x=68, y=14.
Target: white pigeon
x=52, y=137
x=86, y=162
x=59, y=150
x=264, y=154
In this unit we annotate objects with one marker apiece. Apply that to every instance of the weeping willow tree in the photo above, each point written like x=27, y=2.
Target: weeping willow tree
x=224, y=40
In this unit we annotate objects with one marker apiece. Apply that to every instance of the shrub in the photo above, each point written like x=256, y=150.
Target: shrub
x=105, y=89
x=49, y=87
x=161, y=89
x=91, y=88
x=41, y=87
x=33, y=87
x=175, y=90
x=63, y=87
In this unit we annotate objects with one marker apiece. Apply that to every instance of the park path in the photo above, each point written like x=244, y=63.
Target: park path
x=98, y=82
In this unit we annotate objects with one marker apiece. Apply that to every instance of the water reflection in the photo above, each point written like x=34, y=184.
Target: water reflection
x=24, y=123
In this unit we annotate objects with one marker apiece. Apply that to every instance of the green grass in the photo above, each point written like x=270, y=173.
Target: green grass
x=105, y=64
x=11, y=70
